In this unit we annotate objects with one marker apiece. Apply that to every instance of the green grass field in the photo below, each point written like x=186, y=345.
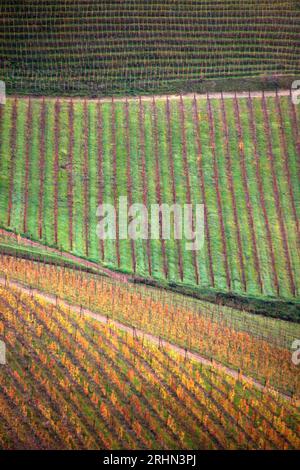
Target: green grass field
x=60, y=158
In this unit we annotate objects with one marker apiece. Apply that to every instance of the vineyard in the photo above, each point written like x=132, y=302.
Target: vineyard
x=74, y=383
x=134, y=46
x=238, y=156
x=149, y=229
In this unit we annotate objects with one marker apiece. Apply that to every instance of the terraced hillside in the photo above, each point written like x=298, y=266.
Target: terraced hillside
x=240, y=157
x=110, y=47
x=72, y=383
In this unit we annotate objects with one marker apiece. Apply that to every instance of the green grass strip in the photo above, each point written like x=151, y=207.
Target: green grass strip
x=48, y=223
x=211, y=200
x=78, y=194
x=122, y=189
x=284, y=192
x=180, y=183
x=137, y=187
x=34, y=174
x=251, y=277
x=232, y=252
x=166, y=185
x=261, y=236
x=270, y=200
x=63, y=210
x=110, y=248
x=195, y=185
x=157, y=265
x=292, y=154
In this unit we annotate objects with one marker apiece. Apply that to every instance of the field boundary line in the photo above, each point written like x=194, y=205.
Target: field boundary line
x=156, y=340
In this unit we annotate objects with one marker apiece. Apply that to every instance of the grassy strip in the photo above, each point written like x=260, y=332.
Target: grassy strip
x=5, y=128
x=94, y=246
x=233, y=201
x=196, y=193
x=27, y=162
x=284, y=155
x=56, y=168
x=251, y=168
x=158, y=189
x=100, y=180
x=246, y=191
x=78, y=196
x=155, y=245
x=114, y=178
x=70, y=171
x=129, y=176
x=281, y=309
x=48, y=214
x=17, y=207
x=178, y=249
x=63, y=177
x=42, y=152
x=43, y=256
x=253, y=139
x=108, y=194
x=13, y=149
x=219, y=270
x=191, y=221
x=136, y=154
x=85, y=172
x=34, y=174
x=143, y=177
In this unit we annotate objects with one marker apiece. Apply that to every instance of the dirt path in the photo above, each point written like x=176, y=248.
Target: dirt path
x=212, y=95
x=54, y=300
